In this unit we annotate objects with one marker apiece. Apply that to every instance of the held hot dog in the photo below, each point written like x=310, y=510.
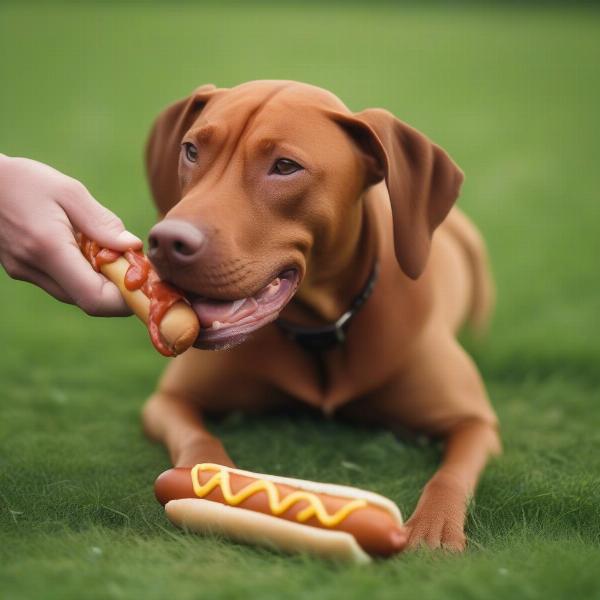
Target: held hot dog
x=171, y=322
x=334, y=521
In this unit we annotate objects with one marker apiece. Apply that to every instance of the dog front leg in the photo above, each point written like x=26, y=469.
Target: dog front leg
x=444, y=395
x=178, y=424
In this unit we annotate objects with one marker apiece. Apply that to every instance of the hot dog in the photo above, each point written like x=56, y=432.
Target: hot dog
x=171, y=322
x=334, y=521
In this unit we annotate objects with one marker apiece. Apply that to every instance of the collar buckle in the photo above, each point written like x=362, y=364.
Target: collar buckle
x=318, y=339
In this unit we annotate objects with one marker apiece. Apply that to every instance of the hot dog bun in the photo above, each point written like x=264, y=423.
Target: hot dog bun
x=243, y=525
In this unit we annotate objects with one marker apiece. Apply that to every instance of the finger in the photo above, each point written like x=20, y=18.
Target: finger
x=94, y=220
x=91, y=291
x=33, y=275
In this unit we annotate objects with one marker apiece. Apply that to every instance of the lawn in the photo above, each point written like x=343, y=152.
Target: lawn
x=513, y=94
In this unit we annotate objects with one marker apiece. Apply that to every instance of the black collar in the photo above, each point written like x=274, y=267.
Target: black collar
x=315, y=339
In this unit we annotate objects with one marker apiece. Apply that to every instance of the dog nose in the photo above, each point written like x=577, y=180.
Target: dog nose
x=176, y=242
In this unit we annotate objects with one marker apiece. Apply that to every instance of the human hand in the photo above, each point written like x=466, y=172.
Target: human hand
x=40, y=209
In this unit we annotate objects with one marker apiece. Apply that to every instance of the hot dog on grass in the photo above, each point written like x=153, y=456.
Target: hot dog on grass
x=293, y=515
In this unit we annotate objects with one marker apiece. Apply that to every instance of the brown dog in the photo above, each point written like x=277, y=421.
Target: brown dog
x=279, y=203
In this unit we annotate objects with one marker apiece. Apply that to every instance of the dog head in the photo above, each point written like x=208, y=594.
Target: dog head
x=259, y=187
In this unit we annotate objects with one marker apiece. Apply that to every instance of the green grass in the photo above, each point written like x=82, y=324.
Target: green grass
x=513, y=94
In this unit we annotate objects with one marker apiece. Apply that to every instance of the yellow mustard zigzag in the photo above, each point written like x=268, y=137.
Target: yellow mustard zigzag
x=315, y=506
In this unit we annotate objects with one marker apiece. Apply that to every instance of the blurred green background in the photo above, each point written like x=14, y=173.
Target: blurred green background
x=512, y=92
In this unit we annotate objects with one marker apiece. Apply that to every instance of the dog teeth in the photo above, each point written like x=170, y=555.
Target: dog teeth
x=216, y=325
x=272, y=288
x=235, y=306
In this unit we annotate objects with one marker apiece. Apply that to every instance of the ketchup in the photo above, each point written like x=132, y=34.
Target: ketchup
x=139, y=276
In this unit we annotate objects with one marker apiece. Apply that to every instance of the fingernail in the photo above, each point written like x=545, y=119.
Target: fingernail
x=128, y=238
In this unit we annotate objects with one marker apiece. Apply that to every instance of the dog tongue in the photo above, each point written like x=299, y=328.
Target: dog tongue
x=228, y=312
x=213, y=310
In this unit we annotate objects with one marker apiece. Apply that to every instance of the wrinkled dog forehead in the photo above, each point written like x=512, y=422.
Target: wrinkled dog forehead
x=257, y=93
x=279, y=101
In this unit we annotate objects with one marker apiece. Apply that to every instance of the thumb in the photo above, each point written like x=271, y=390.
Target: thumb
x=95, y=221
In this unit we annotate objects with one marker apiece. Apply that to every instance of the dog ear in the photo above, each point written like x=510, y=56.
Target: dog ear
x=164, y=145
x=422, y=180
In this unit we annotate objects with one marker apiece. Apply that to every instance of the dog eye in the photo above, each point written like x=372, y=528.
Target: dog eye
x=191, y=152
x=285, y=166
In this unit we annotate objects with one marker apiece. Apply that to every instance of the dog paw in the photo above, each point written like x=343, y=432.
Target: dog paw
x=435, y=532
x=438, y=521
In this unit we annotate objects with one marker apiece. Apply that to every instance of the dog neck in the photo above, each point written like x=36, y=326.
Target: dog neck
x=322, y=300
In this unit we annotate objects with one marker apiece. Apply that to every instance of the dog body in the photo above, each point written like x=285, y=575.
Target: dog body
x=297, y=238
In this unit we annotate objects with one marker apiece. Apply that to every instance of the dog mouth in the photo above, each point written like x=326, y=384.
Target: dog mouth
x=226, y=323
